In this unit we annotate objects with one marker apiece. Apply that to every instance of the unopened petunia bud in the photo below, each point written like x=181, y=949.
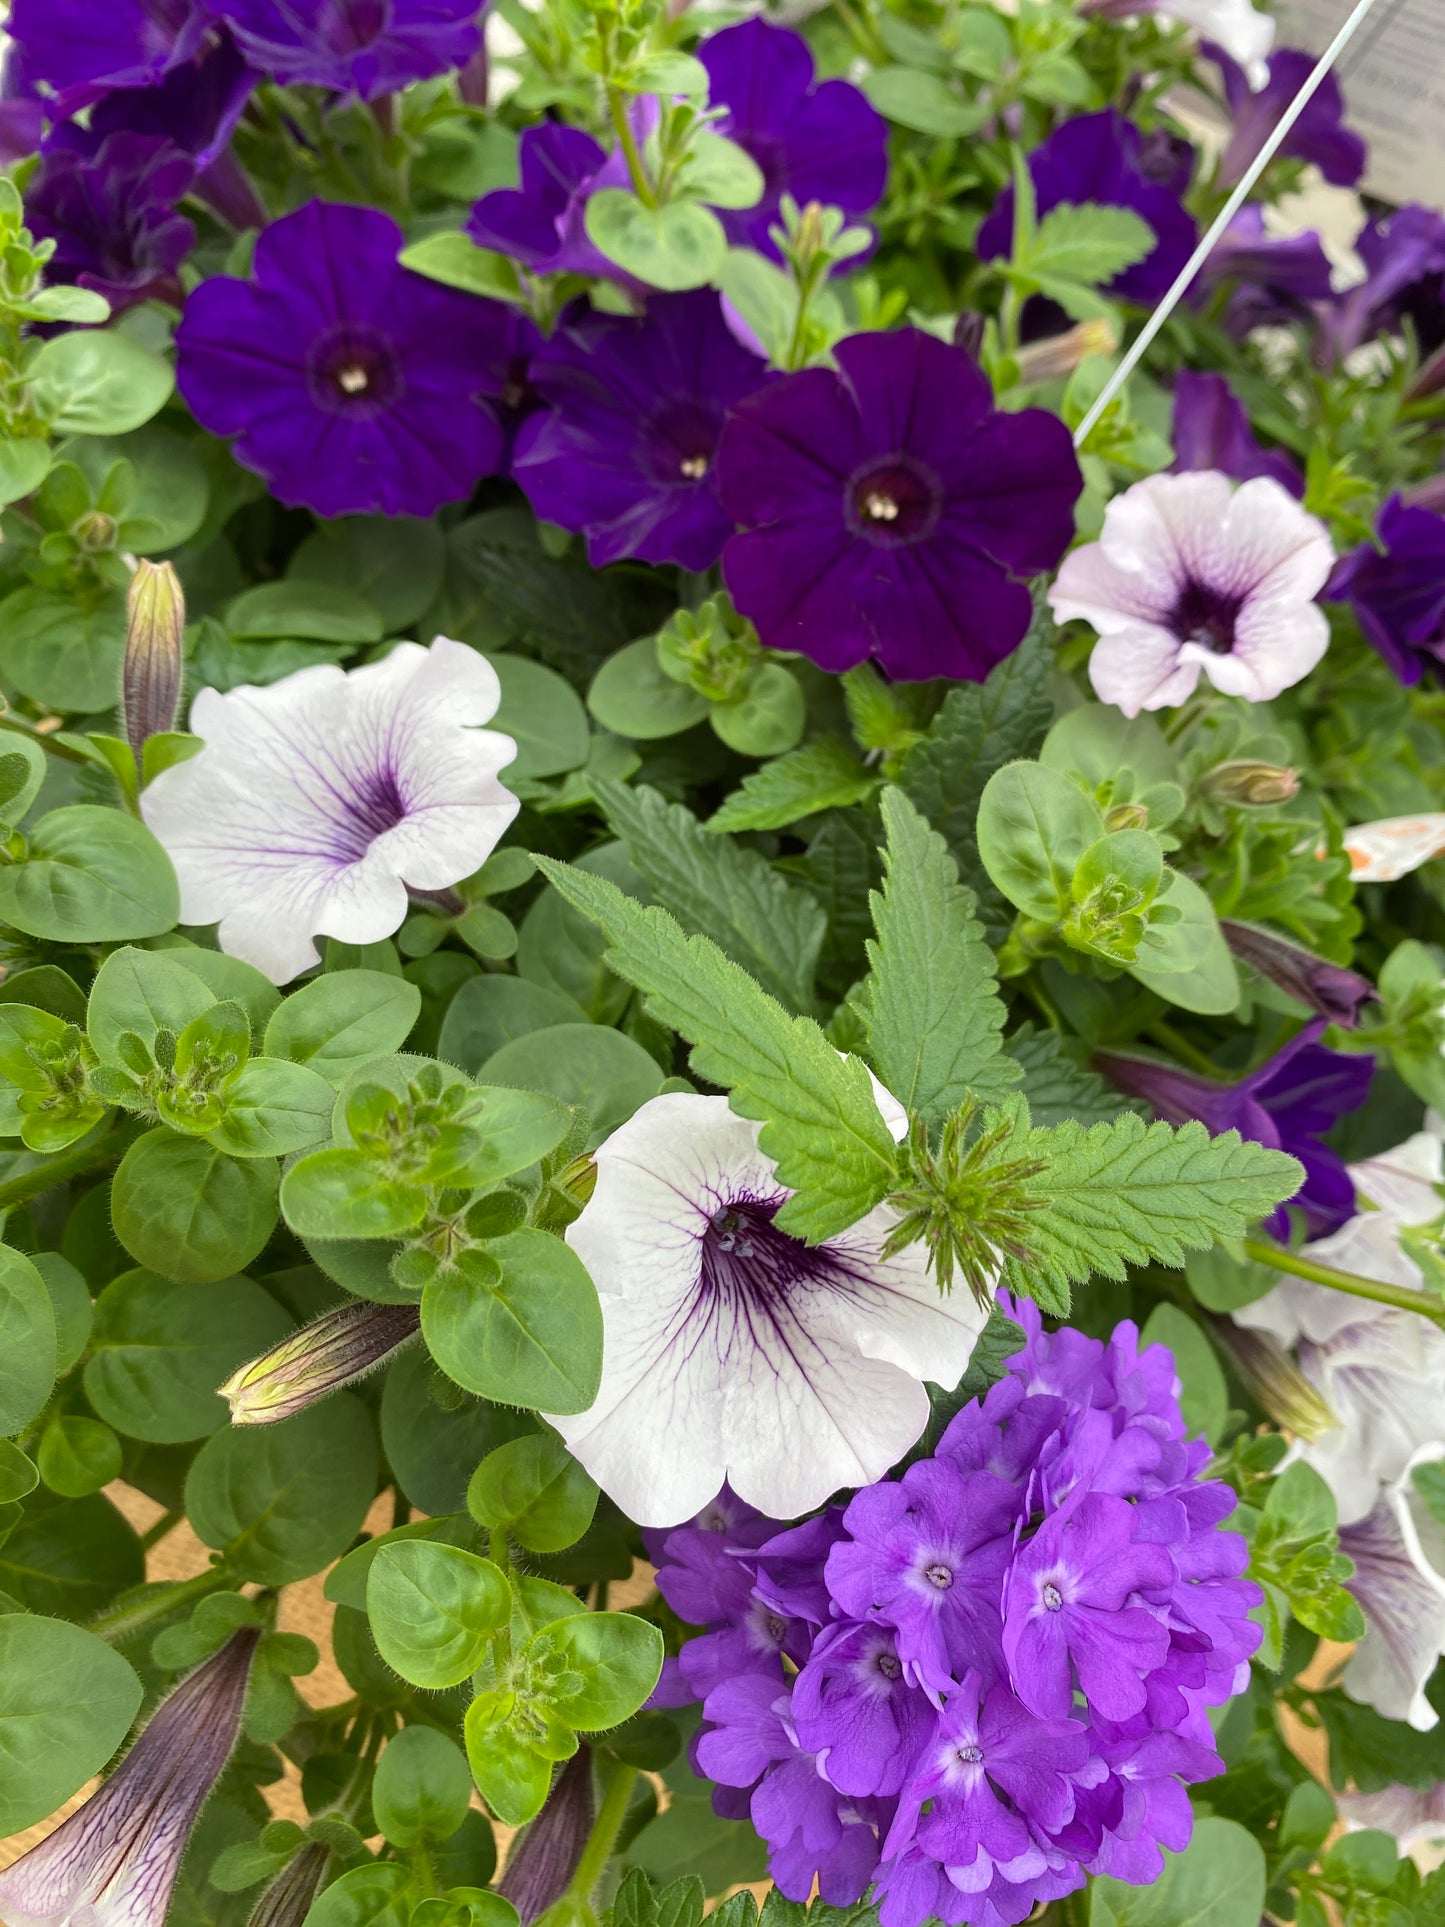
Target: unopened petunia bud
x=1060, y=355
x=1250, y=782
x=1327, y=989
x=287, y=1900
x=332, y=1351
x=545, y=1857
x=155, y=625
x=1277, y=1383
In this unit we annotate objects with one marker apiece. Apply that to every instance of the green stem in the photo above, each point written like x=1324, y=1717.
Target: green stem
x=603, y=1837
x=123, y=1621
x=88, y=1155
x=1173, y=1040
x=1298, y=1266
x=642, y=186
x=167, y=1522
x=44, y=740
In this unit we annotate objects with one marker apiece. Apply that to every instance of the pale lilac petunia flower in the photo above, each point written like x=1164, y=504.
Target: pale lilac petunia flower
x=1192, y=576
x=734, y=1351
x=318, y=802
x=114, y=1862
x=1404, y=1608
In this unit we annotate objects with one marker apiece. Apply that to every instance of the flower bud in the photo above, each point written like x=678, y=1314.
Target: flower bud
x=546, y=1854
x=1250, y=782
x=1277, y=1383
x=1328, y=989
x=332, y=1351
x=151, y=682
x=287, y=1900
x=1060, y=355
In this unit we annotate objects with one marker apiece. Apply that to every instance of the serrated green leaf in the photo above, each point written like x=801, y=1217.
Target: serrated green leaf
x=821, y=775
x=821, y=1125
x=1058, y=1087
x=932, y=1006
x=1087, y=244
x=722, y=890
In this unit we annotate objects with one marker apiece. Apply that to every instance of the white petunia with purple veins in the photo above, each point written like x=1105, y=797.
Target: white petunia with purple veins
x=733, y=1351
x=317, y=803
x=1194, y=576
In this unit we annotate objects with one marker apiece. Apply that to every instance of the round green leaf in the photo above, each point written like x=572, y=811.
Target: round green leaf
x=433, y=1608
x=602, y=1072
x=98, y=382
x=64, y=650
x=371, y=1896
x=769, y=719
x=343, y=1020
x=66, y=1703
x=92, y=876
x=1209, y=986
x=616, y=1658
x=395, y=562
x=22, y=771
x=432, y=1450
x=27, y=1341
x=532, y=1338
x=70, y=1557
x=536, y=1490
x=186, y=1210
x=490, y=1010
x=141, y=993
x=1218, y=1881
x=18, y=1474
x=160, y=1348
x=544, y=717
x=676, y=246
x=1033, y=826
x=312, y=611
x=23, y=467
x=631, y=696
x=170, y=495
x=70, y=1302
x=282, y=1501
x=78, y=1455
x=422, y=1789
x=273, y=1109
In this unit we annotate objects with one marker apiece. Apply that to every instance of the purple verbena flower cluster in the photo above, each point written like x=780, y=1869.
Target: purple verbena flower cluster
x=974, y=1684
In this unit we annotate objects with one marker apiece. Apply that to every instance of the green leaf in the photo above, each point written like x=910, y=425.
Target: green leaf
x=64, y=651
x=932, y=1006
x=457, y=262
x=18, y=1474
x=343, y=1020
x=433, y=1609
x=22, y=771
x=227, y=978
x=1204, y=1399
x=393, y=562
x=722, y=890
x=70, y=1557
x=544, y=716
x=676, y=246
x=27, y=1342
x=422, y=1788
x=1131, y=1193
x=1209, y=983
x=98, y=382
x=536, y=1490
x=602, y=1072
x=315, y=612
x=1057, y=1085
x=1033, y=827
x=375, y=1895
x=70, y=1301
x=168, y=493
x=66, y=1703
x=434, y=1449
x=615, y=1660
x=490, y=1011
x=822, y=775
x=1218, y=1881
x=980, y=728
x=186, y=1210
x=631, y=696
x=23, y=467
x=140, y=993
x=1088, y=244
x=525, y=1329
x=92, y=876
x=78, y=1455
x=273, y=1108
x=282, y=1501
x=821, y=1125
x=160, y=1348
x=924, y=101
x=717, y=170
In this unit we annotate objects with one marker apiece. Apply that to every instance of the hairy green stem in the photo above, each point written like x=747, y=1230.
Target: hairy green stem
x=605, y=1829
x=642, y=186
x=123, y=1621
x=88, y=1155
x=1298, y=1266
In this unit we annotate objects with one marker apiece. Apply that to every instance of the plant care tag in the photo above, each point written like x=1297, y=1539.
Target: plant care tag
x=1393, y=76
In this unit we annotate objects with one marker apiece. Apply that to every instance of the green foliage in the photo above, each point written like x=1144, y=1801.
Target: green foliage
x=66, y=1703
x=1218, y=1881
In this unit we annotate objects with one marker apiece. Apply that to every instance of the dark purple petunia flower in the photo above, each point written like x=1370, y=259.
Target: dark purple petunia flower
x=1404, y=257
x=113, y=218
x=541, y=223
x=1319, y=135
x=351, y=384
x=1289, y=1104
x=627, y=452
x=816, y=142
x=1277, y=278
x=1397, y=591
x=888, y=509
x=1329, y=990
x=1211, y=430
x=76, y=50
x=1105, y=158
x=363, y=47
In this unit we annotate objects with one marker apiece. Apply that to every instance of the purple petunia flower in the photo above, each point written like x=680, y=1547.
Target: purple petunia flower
x=113, y=218
x=1328, y=990
x=363, y=47
x=627, y=451
x=351, y=384
x=116, y=1858
x=1105, y=158
x=888, y=510
x=1319, y=135
x=541, y=224
x=1288, y=1103
x=76, y=50
x=1397, y=590
x=1211, y=430
x=815, y=142
x=1276, y=279
x=1404, y=257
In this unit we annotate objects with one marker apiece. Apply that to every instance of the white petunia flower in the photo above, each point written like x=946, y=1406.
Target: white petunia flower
x=318, y=801
x=1380, y=1370
x=735, y=1352
x=1415, y=1815
x=1192, y=576
x=1246, y=36
x=1404, y=1608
